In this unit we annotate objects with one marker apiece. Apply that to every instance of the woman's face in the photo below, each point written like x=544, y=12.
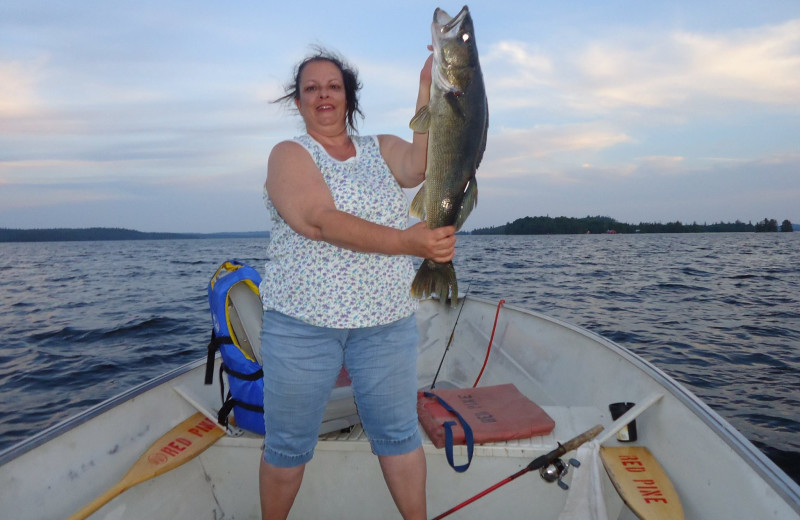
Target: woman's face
x=322, y=101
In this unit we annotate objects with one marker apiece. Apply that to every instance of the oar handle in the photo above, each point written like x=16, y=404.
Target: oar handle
x=630, y=415
x=574, y=443
x=99, y=502
x=586, y=436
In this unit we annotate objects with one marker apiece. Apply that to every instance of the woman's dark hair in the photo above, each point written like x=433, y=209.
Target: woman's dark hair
x=349, y=75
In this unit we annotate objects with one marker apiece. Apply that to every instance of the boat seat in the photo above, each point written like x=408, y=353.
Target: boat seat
x=570, y=421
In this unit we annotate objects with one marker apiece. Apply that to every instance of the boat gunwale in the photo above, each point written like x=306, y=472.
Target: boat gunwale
x=17, y=450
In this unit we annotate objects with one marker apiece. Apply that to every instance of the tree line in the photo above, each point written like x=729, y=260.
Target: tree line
x=600, y=224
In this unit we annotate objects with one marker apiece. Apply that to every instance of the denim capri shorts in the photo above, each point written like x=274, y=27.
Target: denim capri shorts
x=301, y=365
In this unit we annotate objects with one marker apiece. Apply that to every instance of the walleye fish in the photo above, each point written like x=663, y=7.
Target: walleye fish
x=456, y=119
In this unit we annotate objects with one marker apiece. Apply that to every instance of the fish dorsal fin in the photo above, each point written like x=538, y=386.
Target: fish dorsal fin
x=421, y=121
x=468, y=203
x=418, y=204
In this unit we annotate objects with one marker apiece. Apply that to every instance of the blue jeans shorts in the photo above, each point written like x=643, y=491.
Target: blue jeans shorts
x=301, y=365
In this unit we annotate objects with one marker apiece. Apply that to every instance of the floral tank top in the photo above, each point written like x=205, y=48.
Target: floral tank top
x=328, y=286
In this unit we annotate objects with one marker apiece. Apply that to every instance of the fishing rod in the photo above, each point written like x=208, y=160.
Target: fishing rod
x=452, y=334
x=539, y=462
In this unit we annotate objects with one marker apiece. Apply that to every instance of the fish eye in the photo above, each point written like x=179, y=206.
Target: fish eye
x=465, y=37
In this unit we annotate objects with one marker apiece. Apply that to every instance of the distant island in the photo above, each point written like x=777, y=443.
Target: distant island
x=98, y=233
x=521, y=226
x=605, y=225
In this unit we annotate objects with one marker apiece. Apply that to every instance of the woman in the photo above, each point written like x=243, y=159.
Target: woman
x=336, y=288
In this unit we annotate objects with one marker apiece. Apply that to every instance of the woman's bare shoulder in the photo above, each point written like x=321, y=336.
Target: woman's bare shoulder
x=287, y=147
x=290, y=153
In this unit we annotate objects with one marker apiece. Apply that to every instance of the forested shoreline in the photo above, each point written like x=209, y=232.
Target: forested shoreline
x=522, y=226
x=600, y=224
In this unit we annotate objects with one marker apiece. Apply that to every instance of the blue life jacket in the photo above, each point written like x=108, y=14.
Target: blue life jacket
x=245, y=375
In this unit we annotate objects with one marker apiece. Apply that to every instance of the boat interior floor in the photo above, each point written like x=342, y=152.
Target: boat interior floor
x=570, y=421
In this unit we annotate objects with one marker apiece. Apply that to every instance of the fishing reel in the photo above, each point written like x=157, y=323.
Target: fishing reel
x=557, y=470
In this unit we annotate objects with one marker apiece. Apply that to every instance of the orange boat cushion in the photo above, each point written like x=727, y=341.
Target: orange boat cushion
x=495, y=413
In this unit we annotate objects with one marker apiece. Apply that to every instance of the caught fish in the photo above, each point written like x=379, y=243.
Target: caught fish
x=456, y=119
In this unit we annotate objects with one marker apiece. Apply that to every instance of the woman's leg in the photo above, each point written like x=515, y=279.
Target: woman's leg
x=405, y=476
x=301, y=363
x=382, y=362
x=278, y=488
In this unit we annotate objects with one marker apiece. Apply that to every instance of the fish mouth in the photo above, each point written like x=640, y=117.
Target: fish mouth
x=444, y=23
x=445, y=29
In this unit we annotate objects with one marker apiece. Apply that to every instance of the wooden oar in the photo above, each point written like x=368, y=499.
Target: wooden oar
x=642, y=483
x=175, y=448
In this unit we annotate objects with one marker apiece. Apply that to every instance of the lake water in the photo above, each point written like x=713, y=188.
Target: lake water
x=720, y=313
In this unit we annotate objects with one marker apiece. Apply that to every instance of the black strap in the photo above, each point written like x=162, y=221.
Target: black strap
x=229, y=402
x=227, y=407
x=224, y=412
x=448, y=435
x=255, y=376
x=213, y=347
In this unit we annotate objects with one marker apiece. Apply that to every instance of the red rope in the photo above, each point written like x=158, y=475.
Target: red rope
x=491, y=339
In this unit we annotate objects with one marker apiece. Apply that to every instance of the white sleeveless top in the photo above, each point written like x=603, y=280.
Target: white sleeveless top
x=328, y=286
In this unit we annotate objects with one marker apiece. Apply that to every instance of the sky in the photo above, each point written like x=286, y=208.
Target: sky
x=159, y=115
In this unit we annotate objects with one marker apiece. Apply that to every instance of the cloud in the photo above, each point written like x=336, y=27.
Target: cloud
x=610, y=98
x=109, y=116
x=17, y=90
x=33, y=196
x=663, y=164
x=759, y=65
x=529, y=64
x=652, y=71
x=41, y=171
x=518, y=75
x=389, y=95
x=547, y=150
x=654, y=189
x=138, y=140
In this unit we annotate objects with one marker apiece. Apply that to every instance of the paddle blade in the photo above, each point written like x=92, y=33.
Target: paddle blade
x=642, y=483
x=175, y=448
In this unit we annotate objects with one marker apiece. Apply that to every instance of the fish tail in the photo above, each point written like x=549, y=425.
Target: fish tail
x=435, y=278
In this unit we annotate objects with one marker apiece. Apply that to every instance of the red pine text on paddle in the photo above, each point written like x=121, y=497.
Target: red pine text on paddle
x=204, y=426
x=648, y=488
x=179, y=444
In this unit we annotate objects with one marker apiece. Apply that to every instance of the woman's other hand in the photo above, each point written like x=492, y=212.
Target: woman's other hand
x=437, y=244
